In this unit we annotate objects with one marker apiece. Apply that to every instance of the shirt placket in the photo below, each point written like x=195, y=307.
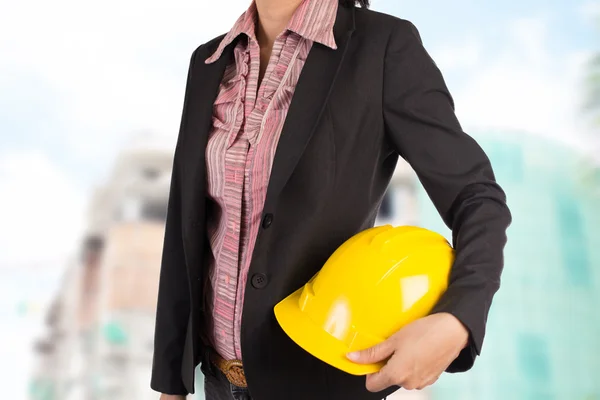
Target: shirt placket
x=257, y=110
x=247, y=145
x=229, y=256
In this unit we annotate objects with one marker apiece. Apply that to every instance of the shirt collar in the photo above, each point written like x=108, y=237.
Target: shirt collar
x=313, y=20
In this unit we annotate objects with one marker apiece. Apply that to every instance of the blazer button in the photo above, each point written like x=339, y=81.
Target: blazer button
x=267, y=221
x=259, y=281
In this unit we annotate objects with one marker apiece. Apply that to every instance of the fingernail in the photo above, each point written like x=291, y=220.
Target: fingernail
x=353, y=356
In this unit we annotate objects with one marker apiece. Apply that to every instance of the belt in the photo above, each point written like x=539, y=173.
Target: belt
x=232, y=369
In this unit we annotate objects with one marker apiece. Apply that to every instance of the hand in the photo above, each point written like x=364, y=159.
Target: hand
x=171, y=397
x=418, y=353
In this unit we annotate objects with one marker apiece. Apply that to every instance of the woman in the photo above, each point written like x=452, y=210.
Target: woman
x=292, y=126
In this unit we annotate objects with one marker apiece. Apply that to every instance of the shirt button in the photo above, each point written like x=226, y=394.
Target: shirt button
x=267, y=221
x=259, y=281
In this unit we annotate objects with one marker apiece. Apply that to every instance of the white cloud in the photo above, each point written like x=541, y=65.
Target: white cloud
x=525, y=87
x=114, y=65
x=465, y=55
x=590, y=10
x=41, y=210
x=529, y=38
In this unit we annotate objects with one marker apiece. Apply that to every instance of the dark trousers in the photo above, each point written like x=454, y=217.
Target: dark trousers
x=217, y=387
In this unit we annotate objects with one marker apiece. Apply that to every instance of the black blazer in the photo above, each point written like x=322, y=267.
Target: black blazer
x=354, y=112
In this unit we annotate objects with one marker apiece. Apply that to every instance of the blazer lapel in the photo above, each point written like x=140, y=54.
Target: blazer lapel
x=310, y=96
x=204, y=88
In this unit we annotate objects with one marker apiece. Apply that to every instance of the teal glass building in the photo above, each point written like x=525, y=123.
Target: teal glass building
x=543, y=337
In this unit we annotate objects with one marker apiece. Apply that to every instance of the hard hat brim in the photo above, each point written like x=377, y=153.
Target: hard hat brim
x=315, y=340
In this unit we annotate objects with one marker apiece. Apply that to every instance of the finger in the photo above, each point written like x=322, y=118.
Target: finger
x=379, y=381
x=373, y=354
x=428, y=383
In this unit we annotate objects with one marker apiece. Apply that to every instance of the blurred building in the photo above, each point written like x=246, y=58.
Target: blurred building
x=53, y=375
x=543, y=339
x=99, y=330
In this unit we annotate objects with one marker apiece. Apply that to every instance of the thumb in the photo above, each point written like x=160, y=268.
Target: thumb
x=374, y=354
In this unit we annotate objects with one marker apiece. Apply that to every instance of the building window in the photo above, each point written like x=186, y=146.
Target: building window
x=533, y=358
x=150, y=173
x=386, y=209
x=130, y=209
x=154, y=211
x=575, y=258
x=507, y=160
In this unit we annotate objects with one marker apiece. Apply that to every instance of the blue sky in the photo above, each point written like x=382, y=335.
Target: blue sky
x=77, y=79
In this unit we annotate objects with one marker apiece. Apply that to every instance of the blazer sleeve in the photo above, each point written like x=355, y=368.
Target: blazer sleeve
x=457, y=175
x=173, y=305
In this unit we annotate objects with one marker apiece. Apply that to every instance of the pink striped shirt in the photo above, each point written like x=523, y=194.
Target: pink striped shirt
x=246, y=125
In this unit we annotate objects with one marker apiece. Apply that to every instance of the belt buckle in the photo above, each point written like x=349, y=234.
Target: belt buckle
x=239, y=379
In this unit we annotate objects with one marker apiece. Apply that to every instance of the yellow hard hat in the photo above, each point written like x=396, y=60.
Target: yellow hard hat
x=375, y=283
